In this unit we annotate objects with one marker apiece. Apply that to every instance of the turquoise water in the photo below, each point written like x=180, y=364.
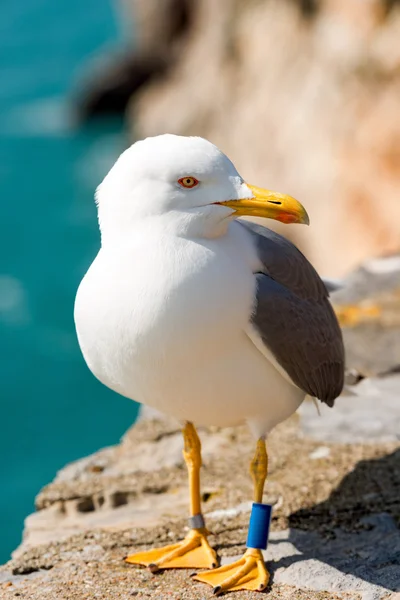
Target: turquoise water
x=52, y=408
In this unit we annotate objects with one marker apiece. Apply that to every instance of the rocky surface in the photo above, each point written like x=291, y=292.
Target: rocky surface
x=368, y=308
x=360, y=416
x=334, y=532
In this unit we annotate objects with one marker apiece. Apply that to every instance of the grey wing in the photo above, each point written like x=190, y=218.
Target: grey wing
x=285, y=263
x=294, y=317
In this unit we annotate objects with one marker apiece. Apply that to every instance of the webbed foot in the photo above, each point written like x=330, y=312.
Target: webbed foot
x=247, y=573
x=194, y=552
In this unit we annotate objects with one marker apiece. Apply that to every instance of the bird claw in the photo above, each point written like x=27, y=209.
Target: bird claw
x=247, y=573
x=194, y=552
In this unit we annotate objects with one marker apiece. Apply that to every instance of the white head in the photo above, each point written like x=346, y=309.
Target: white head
x=189, y=184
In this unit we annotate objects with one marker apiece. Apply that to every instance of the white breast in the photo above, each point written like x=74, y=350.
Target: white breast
x=158, y=306
x=164, y=322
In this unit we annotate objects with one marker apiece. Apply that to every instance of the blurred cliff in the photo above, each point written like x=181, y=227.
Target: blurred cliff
x=303, y=95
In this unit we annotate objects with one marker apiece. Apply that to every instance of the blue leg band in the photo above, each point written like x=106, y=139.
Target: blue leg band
x=260, y=520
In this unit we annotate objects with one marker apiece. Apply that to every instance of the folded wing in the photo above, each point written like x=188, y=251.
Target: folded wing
x=294, y=318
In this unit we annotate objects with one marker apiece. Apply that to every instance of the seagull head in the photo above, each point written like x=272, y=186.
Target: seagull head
x=186, y=183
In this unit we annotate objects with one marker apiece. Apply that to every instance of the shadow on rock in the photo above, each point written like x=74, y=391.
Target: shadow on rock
x=359, y=518
x=372, y=487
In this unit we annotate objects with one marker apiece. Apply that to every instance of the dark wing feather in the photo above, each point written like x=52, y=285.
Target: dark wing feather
x=294, y=317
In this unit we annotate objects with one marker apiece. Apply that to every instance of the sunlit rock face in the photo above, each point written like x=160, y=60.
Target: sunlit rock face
x=303, y=96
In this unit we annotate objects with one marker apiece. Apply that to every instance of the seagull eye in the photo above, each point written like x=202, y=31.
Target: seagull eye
x=188, y=182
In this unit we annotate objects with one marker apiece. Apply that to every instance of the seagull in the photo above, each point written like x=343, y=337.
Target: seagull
x=209, y=318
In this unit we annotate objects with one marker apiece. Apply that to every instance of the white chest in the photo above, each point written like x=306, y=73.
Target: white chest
x=161, y=306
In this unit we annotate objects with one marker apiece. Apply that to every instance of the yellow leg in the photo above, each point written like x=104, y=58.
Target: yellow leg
x=194, y=551
x=259, y=469
x=249, y=572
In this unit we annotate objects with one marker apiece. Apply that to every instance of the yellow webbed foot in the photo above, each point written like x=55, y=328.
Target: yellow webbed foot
x=247, y=573
x=194, y=552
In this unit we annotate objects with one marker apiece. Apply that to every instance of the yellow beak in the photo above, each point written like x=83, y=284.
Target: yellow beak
x=270, y=205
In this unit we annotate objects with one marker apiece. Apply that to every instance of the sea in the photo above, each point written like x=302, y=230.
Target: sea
x=52, y=410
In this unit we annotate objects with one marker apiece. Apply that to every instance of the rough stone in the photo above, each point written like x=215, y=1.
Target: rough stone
x=330, y=512
x=368, y=307
x=370, y=414
x=368, y=562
